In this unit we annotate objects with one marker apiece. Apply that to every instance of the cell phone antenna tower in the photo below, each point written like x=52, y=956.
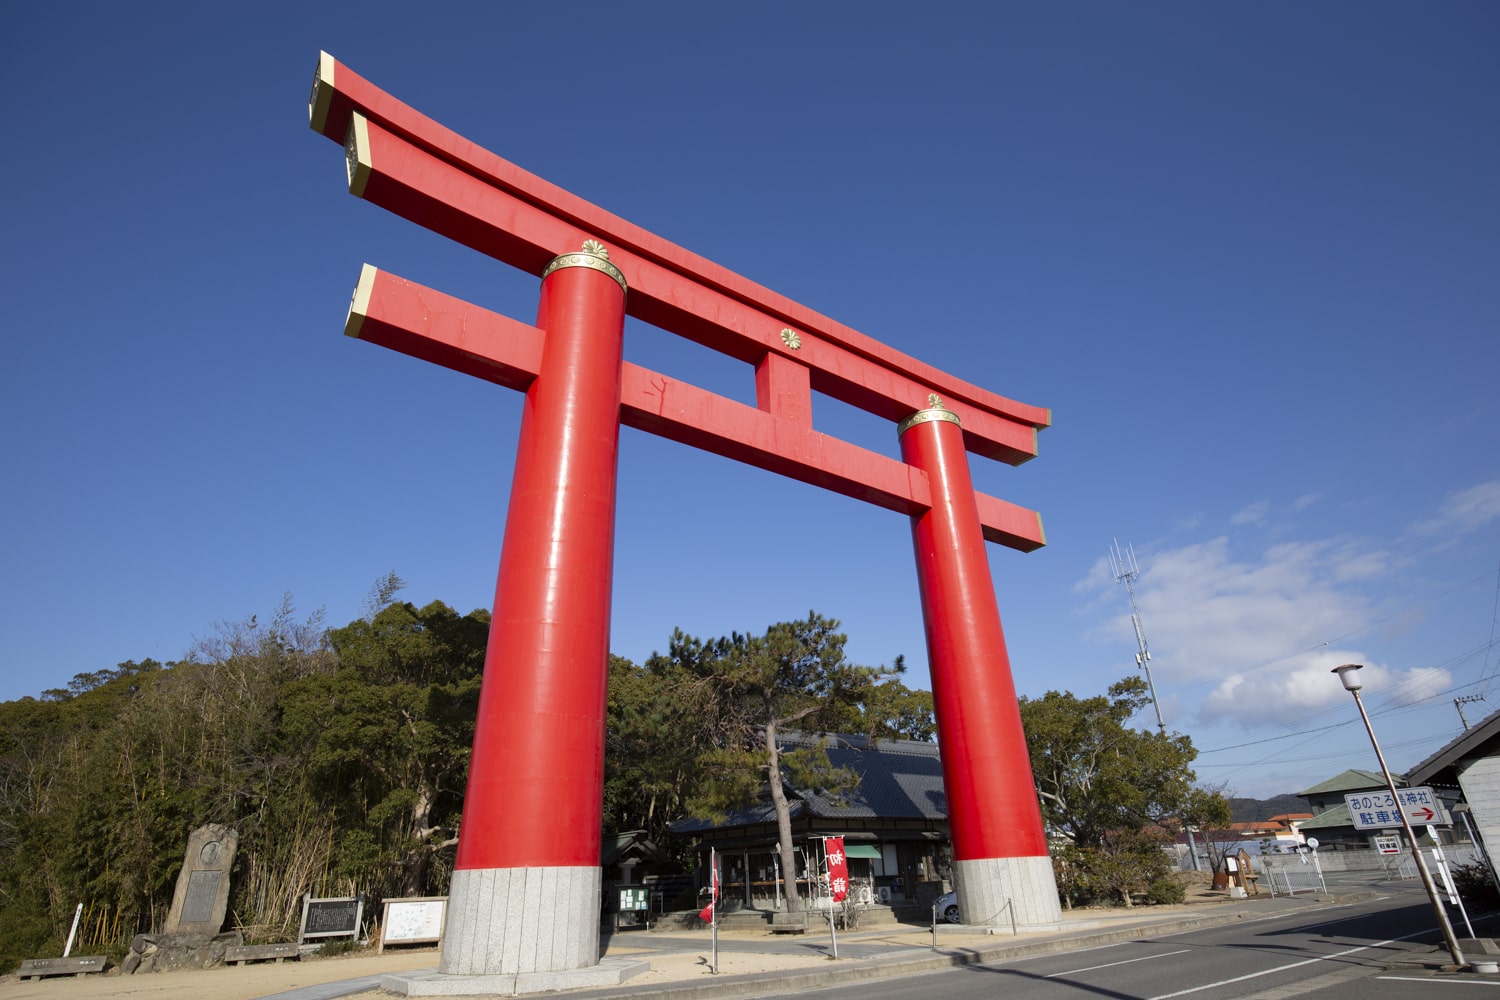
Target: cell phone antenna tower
x=1125, y=569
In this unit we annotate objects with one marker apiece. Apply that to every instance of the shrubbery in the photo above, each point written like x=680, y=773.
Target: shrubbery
x=1131, y=865
x=1475, y=884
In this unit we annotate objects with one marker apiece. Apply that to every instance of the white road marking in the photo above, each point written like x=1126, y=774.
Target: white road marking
x=1294, y=965
x=1111, y=965
x=1444, y=982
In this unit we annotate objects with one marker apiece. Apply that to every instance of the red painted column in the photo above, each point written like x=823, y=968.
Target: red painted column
x=992, y=803
x=536, y=777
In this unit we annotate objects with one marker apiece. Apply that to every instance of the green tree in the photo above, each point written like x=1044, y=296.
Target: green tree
x=1132, y=862
x=752, y=689
x=1209, y=814
x=387, y=737
x=660, y=722
x=1118, y=793
x=338, y=766
x=1098, y=777
x=883, y=709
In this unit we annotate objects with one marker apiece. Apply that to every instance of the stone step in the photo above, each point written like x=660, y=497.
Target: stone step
x=869, y=917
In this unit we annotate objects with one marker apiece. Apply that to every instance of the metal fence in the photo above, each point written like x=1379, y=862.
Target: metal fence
x=1290, y=879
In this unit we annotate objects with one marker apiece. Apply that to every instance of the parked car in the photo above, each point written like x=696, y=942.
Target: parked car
x=947, y=907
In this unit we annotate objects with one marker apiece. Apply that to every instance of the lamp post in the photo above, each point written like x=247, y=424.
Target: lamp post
x=1349, y=677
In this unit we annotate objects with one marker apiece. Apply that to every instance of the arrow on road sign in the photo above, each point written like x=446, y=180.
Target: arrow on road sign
x=1425, y=814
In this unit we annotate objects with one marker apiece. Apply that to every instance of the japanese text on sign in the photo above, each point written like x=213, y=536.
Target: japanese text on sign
x=1377, y=809
x=838, y=867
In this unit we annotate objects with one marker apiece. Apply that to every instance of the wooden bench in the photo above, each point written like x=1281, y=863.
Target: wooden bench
x=240, y=954
x=81, y=965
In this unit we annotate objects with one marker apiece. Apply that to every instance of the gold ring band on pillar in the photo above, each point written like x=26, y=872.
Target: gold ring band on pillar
x=592, y=255
x=936, y=412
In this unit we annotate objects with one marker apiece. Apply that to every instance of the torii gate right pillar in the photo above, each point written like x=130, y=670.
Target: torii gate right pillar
x=999, y=844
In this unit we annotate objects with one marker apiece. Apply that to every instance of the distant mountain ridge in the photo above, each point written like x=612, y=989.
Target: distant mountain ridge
x=1255, y=810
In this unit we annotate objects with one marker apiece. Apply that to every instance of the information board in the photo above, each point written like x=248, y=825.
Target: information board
x=416, y=920
x=337, y=916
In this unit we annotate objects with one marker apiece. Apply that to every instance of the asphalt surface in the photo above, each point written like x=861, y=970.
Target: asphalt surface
x=789, y=963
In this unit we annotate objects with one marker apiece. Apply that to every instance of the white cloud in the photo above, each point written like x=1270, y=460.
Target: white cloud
x=1463, y=512
x=1261, y=629
x=1303, y=685
x=1253, y=514
x=1246, y=633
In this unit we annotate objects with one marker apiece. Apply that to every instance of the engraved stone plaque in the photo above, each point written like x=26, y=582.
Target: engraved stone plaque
x=202, y=891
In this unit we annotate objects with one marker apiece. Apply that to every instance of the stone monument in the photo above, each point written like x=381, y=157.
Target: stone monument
x=202, y=896
x=191, y=939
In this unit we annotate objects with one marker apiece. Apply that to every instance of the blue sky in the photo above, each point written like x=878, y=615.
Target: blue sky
x=1247, y=254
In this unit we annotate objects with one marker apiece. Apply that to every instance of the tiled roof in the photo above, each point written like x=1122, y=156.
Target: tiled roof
x=1334, y=816
x=1352, y=780
x=899, y=779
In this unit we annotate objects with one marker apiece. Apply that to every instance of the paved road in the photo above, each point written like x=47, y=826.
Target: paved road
x=1353, y=952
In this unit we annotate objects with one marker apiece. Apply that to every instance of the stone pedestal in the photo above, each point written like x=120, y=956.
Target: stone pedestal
x=999, y=891
x=506, y=921
x=171, y=952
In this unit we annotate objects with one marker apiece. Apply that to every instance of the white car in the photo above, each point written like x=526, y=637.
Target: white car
x=947, y=907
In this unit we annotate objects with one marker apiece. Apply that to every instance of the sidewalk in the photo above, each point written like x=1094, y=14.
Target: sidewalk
x=749, y=962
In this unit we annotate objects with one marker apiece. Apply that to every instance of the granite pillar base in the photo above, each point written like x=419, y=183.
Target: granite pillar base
x=511, y=921
x=1001, y=891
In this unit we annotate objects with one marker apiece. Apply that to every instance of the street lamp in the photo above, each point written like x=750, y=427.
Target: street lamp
x=1349, y=677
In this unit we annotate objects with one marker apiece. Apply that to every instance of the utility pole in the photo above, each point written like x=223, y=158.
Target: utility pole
x=1125, y=569
x=1459, y=704
x=1349, y=677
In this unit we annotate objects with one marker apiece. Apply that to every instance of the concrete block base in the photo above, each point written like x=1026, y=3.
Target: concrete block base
x=1005, y=891
x=431, y=983
x=1478, y=946
x=511, y=922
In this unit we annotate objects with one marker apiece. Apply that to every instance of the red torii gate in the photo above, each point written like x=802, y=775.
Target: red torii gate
x=525, y=891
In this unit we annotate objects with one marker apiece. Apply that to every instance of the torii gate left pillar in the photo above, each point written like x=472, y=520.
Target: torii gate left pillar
x=524, y=901
x=525, y=890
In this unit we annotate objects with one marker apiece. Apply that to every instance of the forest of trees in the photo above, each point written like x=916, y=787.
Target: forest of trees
x=340, y=755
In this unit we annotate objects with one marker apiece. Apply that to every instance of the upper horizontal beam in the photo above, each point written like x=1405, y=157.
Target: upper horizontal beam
x=430, y=325
x=670, y=287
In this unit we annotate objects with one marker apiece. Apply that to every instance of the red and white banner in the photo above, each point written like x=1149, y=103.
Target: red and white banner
x=707, y=913
x=838, y=867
